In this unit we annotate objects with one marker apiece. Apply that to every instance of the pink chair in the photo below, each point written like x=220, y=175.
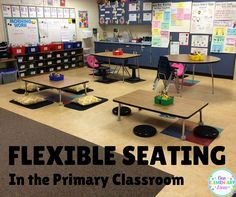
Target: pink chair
x=95, y=65
x=180, y=69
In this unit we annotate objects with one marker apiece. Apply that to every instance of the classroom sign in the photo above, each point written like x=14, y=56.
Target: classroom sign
x=161, y=25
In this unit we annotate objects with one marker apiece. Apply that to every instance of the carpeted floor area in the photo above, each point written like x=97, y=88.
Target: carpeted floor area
x=17, y=130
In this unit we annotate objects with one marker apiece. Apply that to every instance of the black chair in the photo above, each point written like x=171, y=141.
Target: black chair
x=166, y=73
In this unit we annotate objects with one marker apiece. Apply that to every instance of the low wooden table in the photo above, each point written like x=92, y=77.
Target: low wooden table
x=59, y=85
x=182, y=108
x=123, y=57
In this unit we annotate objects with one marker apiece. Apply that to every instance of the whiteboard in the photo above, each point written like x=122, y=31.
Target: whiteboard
x=22, y=31
x=57, y=30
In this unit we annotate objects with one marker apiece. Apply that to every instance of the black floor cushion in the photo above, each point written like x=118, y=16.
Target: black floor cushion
x=80, y=92
x=79, y=107
x=107, y=81
x=206, y=131
x=134, y=80
x=144, y=131
x=22, y=91
x=124, y=111
x=34, y=106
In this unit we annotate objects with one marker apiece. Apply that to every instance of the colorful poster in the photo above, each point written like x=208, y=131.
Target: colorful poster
x=184, y=39
x=200, y=40
x=202, y=17
x=224, y=33
x=83, y=19
x=181, y=16
x=161, y=25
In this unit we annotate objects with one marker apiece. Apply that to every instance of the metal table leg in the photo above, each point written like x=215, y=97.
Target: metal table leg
x=119, y=107
x=85, y=89
x=212, y=78
x=26, y=91
x=193, y=72
x=201, y=122
x=59, y=92
x=183, y=137
x=123, y=70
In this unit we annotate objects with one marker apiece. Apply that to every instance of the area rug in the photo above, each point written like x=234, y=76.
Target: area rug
x=34, y=106
x=17, y=130
x=78, y=107
x=190, y=82
x=175, y=130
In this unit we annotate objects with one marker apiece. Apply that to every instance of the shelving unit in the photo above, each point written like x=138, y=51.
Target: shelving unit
x=39, y=63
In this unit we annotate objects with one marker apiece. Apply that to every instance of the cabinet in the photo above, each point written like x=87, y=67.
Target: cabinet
x=39, y=63
x=145, y=60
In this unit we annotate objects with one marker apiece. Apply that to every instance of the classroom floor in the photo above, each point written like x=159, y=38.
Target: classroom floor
x=100, y=126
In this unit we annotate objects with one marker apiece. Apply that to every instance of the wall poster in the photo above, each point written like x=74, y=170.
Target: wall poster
x=161, y=25
x=202, y=17
x=83, y=19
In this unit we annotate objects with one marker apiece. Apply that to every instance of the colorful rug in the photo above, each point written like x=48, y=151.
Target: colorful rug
x=175, y=130
x=190, y=82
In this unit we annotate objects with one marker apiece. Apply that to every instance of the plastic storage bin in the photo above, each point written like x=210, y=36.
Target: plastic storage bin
x=77, y=45
x=68, y=45
x=57, y=46
x=17, y=50
x=9, y=76
x=31, y=49
x=44, y=48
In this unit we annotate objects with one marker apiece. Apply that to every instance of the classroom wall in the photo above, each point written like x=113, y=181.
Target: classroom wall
x=83, y=5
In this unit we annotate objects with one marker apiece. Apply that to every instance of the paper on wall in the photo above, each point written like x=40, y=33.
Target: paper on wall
x=147, y=6
x=132, y=6
x=133, y=17
x=66, y=13
x=60, y=13
x=32, y=12
x=181, y=16
x=39, y=12
x=174, y=48
x=24, y=11
x=202, y=17
x=184, y=39
x=15, y=11
x=147, y=16
x=47, y=12
x=200, y=40
x=203, y=51
x=6, y=10
x=54, y=12
x=72, y=13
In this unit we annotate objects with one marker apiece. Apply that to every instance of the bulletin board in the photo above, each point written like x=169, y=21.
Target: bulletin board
x=56, y=30
x=22, y=31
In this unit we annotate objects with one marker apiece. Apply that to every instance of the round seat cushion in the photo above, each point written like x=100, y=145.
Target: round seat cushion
x=144, y=131
x=124, y=111
x=206, y=131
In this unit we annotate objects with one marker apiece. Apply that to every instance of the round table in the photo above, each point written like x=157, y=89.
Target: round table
x=184, y=59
